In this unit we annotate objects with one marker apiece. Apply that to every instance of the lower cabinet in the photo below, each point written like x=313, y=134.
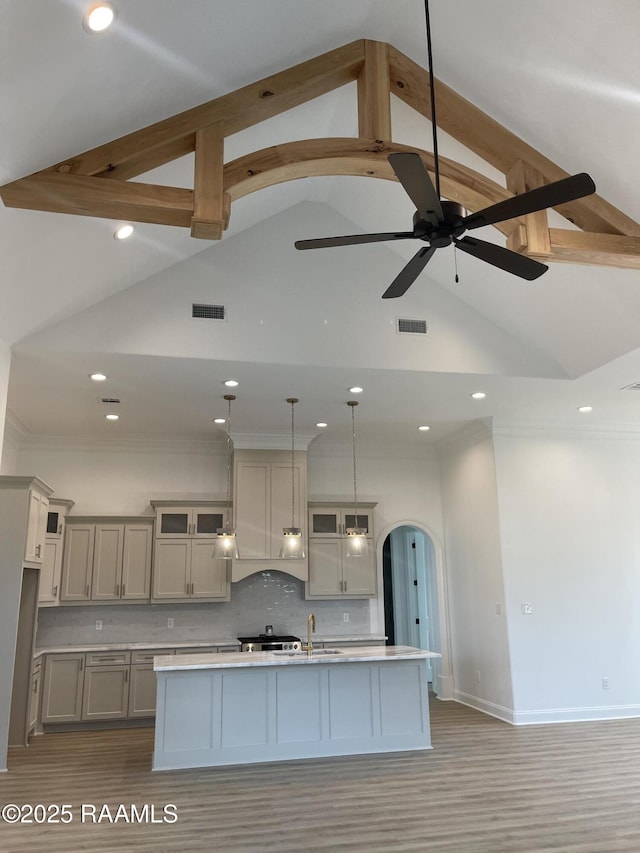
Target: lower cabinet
x=36, y=690
x=62, y=688
x=82, y=687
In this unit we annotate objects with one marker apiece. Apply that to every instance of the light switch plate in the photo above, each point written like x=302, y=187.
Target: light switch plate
x=527, y=608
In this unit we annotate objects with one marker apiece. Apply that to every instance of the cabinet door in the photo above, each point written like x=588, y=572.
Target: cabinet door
x=36, y=524
x=363, y=520
x=359, y=575
x=62, y=688
x=325, y=568
x=50, y=572
x=106, y=692
x=173, y=521
x=171, y=569
x=34, y=702
x=208, y=576
x=142, y=691
x=77, y=563
x=251, y=509
x=206, y=522
x=136, y=562
x=55, y=523
x=107, y=562
x=324, y=522
x=280, y=496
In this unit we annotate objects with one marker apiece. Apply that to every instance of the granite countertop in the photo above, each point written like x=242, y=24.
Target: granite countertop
x=168, y=663
x=125, y=647
x=184, y=644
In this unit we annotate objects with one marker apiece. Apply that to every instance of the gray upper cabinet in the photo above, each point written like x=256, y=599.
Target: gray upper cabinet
x=51, y=569
x=107, y=562
x=181, y=521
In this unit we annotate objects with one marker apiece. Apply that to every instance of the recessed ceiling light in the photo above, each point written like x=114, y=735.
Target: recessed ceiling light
x=97, y=377
x=112, y=417
x=424, y=428
x=123, y=232
x=231, y=383
x=585, y=408
x=356, y=390
x=321, y=424
x=219, y=420
x=99, y=18
x=478, y=395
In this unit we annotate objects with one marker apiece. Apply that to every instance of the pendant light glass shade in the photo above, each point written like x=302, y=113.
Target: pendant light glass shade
x=226, y=545
x=292, y=540
x=357, y=544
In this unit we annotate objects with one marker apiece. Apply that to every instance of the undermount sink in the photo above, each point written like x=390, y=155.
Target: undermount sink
x=316, y=653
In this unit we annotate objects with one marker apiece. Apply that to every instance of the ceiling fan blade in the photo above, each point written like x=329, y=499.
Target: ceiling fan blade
x=550, y=195
x=405, y=278
x=353, y=240
x=413, y=176
x=503, y=258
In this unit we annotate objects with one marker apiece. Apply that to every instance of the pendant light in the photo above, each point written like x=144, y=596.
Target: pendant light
x=226, y=545
x=292, y=541
x=356, y=542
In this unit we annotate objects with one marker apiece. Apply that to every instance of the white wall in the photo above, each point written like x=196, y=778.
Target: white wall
x=479, y=641
x=569, y=518
x=5, y=368
x=122, y=479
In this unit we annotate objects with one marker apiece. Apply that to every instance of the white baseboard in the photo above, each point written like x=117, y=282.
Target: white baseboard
x=493, y=710
x=548, y=715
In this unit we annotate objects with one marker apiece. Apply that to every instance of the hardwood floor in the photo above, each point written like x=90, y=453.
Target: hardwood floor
x=485, y=786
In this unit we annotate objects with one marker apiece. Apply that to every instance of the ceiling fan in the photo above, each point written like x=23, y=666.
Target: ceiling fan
x=440, y=223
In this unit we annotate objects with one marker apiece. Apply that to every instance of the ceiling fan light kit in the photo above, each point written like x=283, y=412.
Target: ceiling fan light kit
x=441, y=223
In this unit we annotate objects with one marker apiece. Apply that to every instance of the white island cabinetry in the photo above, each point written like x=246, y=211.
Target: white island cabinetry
x=240, y=709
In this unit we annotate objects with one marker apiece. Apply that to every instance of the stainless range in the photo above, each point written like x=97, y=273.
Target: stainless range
x=270, y=643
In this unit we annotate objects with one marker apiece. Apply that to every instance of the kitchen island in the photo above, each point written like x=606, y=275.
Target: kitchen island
x=277, y=706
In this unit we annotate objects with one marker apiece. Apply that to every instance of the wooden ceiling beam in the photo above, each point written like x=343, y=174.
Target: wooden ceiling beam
x=585, y=247
x=359, y=157
x=536, y=243
x=87, y=196
x=208, y=220
x=374, y=98
x=154, y=145
x=496, y=145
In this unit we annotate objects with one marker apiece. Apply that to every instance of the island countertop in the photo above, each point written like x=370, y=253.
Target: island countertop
x=168, y=663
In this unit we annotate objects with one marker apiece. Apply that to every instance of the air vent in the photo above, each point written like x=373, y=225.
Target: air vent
x=635, y=386
x=110, y=400
x=208, y=312
x=411, y=327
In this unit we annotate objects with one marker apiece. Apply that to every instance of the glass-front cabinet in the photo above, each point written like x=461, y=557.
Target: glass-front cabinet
x=180, y=521
x=333, y=522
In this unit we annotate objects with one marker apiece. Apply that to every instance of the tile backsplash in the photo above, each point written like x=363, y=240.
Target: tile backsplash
x=265, y=598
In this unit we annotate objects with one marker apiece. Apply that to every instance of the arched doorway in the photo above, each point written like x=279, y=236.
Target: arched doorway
x=411, y=600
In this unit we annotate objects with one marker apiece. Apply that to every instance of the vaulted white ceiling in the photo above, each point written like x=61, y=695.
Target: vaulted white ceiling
x=563, y=76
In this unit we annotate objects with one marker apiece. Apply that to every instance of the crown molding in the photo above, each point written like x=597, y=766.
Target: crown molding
x=372, y=450
x=124, y=445
x=267, y=441
x=568, y=429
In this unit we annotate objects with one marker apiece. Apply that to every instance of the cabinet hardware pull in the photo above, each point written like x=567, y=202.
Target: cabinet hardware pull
x=345, y=586
x=55, y=590
x=123, y=590
x=81, y=664
x=126, y=676
x=117, y=590
x=87, y=592
x=191, y=589
x=35, y=685
x=60, y=530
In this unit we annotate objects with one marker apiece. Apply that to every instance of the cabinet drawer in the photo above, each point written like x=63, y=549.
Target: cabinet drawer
x=200, y=650
x=147, y=656
x=232, y=649
x=98, y=658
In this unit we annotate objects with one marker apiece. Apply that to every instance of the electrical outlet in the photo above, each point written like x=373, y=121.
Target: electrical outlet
x=498, y=609
x=526, y=608
x=605, y=683
x=345, y=617
x=98, y=624
x=170, y=622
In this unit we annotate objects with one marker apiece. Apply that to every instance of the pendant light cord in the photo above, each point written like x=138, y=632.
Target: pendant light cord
x=293, y=401
x=228, y=398
x=353, y=436
x=433, y=99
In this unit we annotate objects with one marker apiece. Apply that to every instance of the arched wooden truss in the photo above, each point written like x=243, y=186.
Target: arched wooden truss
x=97, y=182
